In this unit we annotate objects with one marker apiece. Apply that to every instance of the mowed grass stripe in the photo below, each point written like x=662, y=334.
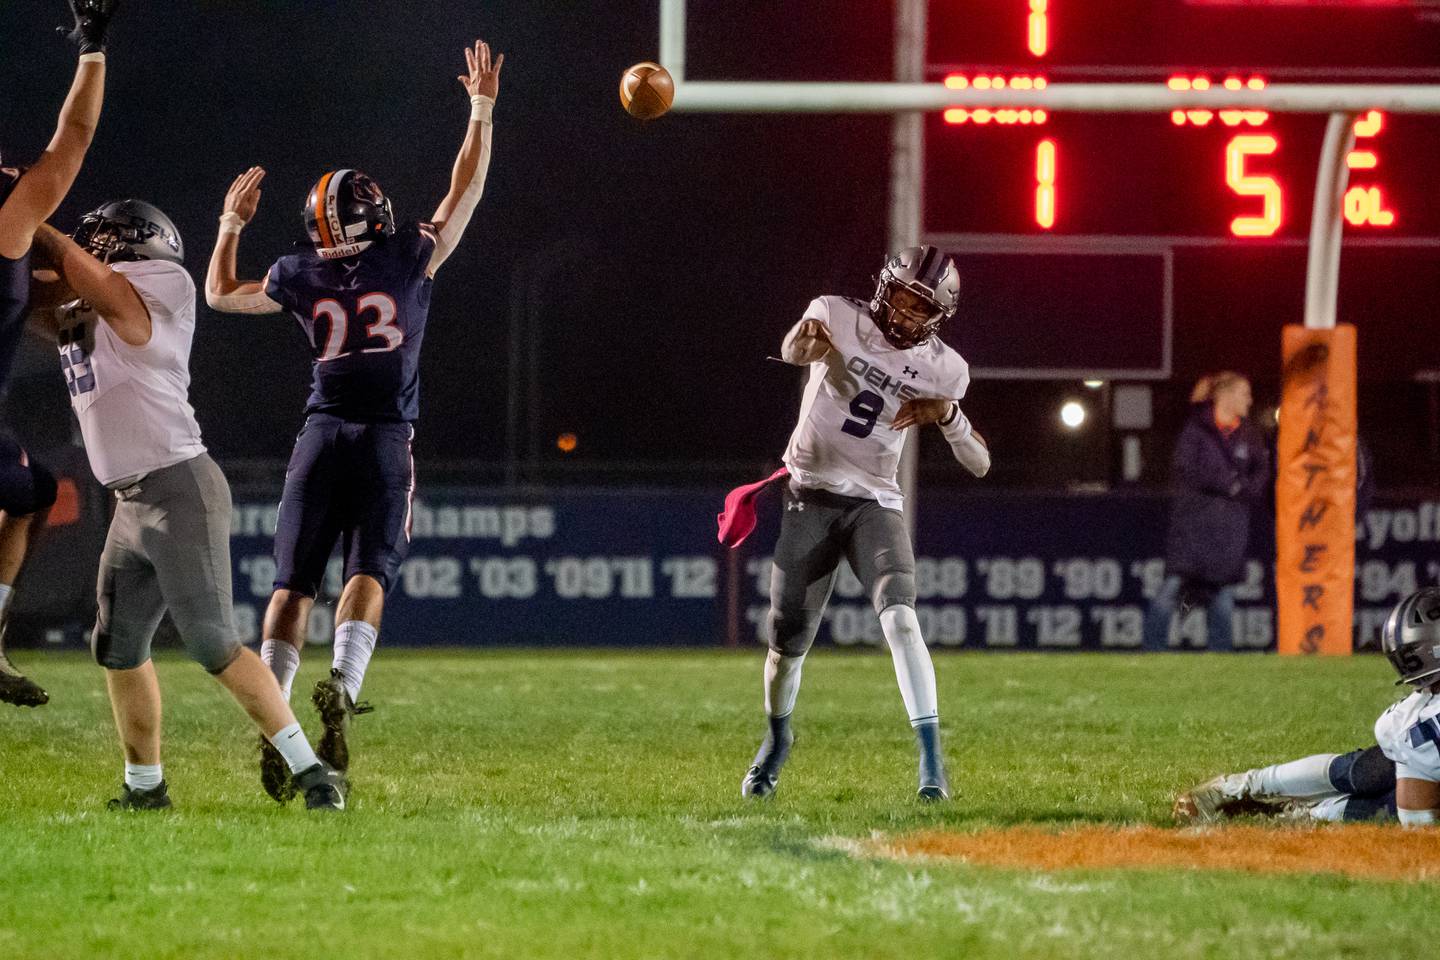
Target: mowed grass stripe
x=564, y=804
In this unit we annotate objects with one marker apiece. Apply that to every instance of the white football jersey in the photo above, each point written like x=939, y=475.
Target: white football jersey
x=133, y=402
x=1409, y=733
x=843, y=442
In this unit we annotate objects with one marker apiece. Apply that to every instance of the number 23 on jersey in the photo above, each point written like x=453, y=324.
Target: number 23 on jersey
x=379, y=333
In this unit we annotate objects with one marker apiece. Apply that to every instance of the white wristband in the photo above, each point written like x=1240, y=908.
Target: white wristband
x=231, y=223
x=481, y=108
x=1415, y=818
x=96, y=57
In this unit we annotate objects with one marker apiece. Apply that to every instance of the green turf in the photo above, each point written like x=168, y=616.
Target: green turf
x=586, y=804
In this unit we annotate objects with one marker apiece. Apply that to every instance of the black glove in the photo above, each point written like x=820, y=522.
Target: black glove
x=92, y=18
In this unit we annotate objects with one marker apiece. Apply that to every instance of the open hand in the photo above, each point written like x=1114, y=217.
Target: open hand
x=244, y=195
x=484, y=77
x=917, y=413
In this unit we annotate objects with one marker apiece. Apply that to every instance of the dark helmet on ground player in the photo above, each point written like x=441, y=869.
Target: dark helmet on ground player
x=129, y=230
x=345, y=212
x=1411, y=637
x=933, y=285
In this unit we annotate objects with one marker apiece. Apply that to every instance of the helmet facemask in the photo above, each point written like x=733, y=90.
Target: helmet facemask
x=917, y=290
x=906, y=316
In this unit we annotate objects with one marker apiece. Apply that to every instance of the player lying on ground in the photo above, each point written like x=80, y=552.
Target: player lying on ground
x=362, y=295
x=124, y=328
x=28, y=196
x=876, y=369
x=1398, y=777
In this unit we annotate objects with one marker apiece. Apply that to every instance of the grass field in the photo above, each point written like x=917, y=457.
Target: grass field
x=586, y=804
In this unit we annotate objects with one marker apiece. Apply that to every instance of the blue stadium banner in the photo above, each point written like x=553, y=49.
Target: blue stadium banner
x=642, y=568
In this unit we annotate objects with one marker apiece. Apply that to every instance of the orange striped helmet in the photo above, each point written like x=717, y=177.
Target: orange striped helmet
x=345, y=212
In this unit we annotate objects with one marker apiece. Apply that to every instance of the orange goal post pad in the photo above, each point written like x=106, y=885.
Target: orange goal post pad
x=1315, y=492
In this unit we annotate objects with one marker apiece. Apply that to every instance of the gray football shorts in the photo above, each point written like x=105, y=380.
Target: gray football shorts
x=817, y=529
x=168, y=549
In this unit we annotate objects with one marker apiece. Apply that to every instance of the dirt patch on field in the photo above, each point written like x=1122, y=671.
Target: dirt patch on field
x=1356, y=850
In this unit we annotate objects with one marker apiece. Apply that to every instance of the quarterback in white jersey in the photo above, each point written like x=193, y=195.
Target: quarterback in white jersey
x=124, y=324
x=1398, y=777
x=844, y=441
x=875, y=370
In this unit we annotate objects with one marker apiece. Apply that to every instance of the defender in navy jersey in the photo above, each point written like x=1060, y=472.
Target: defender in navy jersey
x=28, y=196
x=362, y=296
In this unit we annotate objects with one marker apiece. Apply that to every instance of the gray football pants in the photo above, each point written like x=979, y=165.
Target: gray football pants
x=818, y=528
x=168, y=549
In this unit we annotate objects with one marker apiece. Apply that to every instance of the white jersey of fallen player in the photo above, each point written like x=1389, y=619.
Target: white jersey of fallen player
x=843, y=442
x=1409, y=733
x=132, y=402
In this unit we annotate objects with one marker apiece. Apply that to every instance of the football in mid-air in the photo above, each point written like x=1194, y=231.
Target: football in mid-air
x=647, y=90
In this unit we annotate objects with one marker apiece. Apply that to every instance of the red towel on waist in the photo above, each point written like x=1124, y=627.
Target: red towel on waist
x=737, y=520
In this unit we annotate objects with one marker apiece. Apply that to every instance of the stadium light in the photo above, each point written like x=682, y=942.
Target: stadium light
x=1072, y=414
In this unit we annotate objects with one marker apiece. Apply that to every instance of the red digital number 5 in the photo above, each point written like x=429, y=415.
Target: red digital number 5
x=1251, y=185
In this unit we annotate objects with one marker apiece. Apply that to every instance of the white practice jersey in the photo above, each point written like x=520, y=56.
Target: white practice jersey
x=133, y=402
x=843, y=442
x=1409, y=733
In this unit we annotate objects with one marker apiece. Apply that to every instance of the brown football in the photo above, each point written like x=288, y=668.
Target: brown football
x=647, y=90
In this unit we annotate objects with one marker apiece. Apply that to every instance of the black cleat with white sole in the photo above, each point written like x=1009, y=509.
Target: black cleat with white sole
x=324, y=787
x=764, y=774
x=336, y=708
x=17, y=688
x=275, y=773
x=934, y=784
x=156, y=798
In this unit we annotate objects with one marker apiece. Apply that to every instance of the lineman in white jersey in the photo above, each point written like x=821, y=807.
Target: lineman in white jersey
x=124, y=324
x=1398, y=777
x=876, y=369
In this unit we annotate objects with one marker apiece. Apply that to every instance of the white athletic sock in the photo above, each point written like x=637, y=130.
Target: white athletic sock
x=782, y=683
x=143, y=776
x=6, y=592
x=1306, y=777
x=354, y=643
x=293, y=746
x=283, y=660
x=913, y=667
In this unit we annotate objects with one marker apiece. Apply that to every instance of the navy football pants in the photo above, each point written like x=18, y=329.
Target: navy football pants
x=350, y=482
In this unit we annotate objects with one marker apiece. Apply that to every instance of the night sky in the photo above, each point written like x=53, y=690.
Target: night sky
x=649, y=268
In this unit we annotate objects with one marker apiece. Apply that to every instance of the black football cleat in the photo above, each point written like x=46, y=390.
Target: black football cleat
x=934, y=784
x=156, y=798
x=764, y=774
x=17, y=688
x=336, y=708
x=275, y=773
x=324, y=787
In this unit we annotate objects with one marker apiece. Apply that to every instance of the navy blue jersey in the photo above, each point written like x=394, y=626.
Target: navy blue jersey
x=14, y=298
x=365, y=318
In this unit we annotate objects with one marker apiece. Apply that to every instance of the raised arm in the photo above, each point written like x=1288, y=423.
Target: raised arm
x=467, y=179
x=39, y=191
x=223, y=291
x=112, y=296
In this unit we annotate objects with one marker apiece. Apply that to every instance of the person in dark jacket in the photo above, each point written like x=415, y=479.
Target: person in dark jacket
x=1219, y=471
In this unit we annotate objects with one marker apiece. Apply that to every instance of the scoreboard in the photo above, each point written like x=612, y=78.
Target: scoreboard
x=1086, y=240
x=1234, y=174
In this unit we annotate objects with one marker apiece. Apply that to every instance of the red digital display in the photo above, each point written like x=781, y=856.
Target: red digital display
x=1241, y=173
